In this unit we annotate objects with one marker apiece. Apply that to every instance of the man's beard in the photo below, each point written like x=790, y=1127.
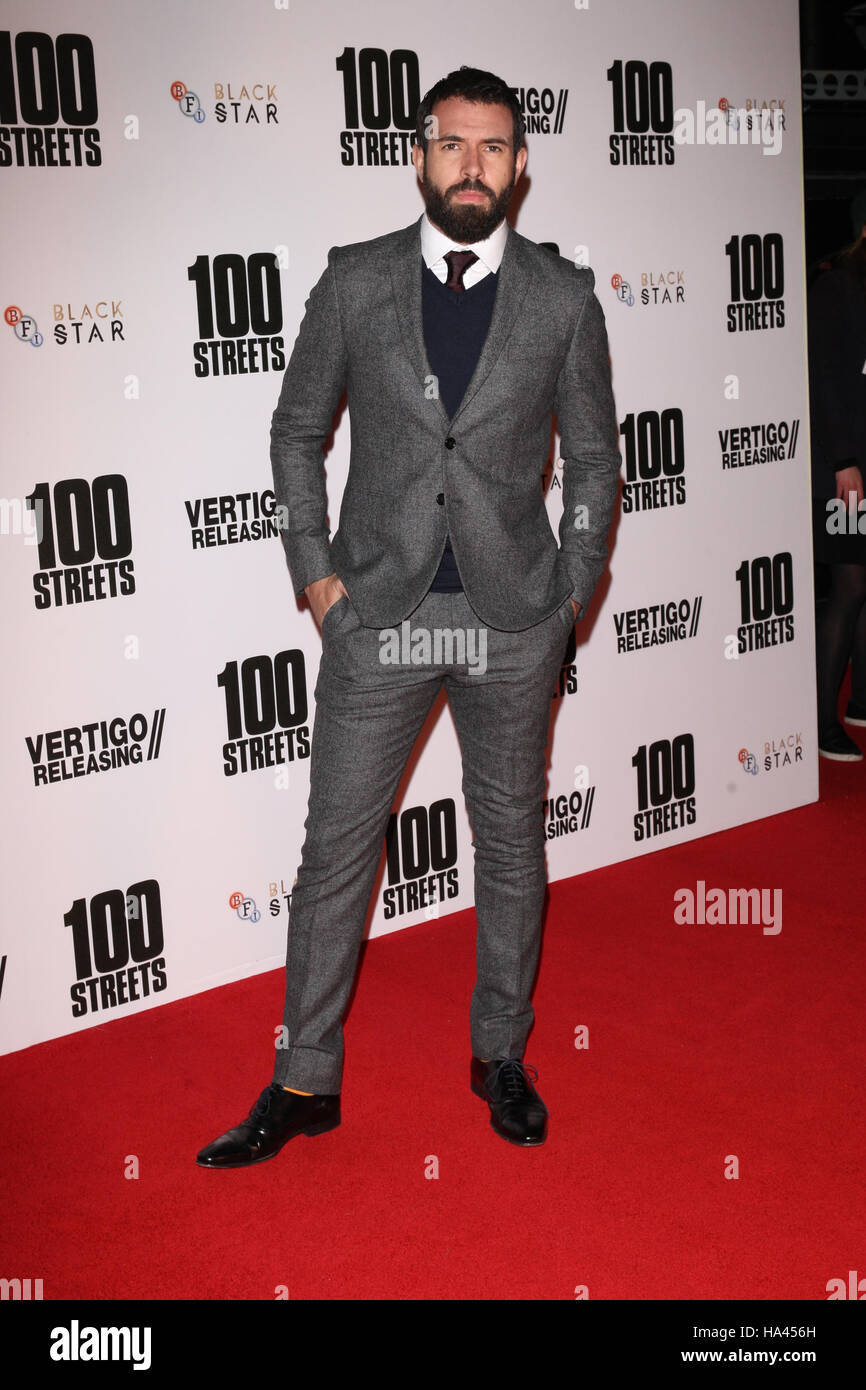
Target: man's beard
x=466, y=222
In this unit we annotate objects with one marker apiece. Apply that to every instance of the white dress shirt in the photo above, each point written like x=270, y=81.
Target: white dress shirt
x=435, y=243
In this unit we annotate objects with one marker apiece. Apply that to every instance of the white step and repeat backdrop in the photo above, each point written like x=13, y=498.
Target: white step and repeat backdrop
x=174, y=176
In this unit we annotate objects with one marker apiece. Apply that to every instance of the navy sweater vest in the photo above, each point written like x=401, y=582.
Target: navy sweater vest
x=455, y=327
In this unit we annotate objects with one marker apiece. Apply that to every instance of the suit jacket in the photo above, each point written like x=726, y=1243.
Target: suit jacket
x=414, y=475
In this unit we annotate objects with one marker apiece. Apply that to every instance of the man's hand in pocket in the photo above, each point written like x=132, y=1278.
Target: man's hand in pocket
x=323, y=594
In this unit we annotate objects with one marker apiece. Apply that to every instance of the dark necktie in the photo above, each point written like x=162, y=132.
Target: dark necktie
x=458, y=262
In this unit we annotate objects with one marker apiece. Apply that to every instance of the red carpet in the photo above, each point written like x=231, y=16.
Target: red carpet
x=704, y=1042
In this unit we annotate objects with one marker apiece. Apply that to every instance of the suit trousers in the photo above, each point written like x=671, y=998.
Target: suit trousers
x=374, y=691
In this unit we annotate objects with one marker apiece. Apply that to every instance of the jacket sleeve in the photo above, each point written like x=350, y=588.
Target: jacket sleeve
x=586, y=415
x=312, y=386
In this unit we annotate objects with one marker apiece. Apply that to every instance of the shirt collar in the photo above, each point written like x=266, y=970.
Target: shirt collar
x=435, y=243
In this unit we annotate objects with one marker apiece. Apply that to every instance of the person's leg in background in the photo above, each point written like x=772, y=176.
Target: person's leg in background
x=839, y=620
x=856, y=711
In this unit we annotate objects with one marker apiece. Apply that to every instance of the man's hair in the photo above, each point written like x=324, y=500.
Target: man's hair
x=472, y=84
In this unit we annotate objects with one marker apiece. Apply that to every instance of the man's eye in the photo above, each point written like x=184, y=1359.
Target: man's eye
x=455, y=144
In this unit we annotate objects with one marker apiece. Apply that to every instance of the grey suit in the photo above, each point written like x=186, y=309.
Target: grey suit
x=413, y=476
x=546, y=351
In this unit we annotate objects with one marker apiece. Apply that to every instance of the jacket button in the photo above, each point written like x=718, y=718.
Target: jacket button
x=440, y=498
x=449, y=442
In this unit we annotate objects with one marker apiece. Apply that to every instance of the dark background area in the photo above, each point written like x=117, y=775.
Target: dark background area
x=833, y=60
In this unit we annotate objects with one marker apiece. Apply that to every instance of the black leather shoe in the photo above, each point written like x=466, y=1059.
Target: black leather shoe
x=517, y=1111
x=277, y=1116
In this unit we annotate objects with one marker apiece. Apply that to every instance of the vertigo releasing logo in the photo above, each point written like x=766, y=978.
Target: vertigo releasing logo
x=657, y=625
x=234, y=518
x=543, y=109
x=747, y=445
x=64, y=754
x=48, y=101
x=567, y=813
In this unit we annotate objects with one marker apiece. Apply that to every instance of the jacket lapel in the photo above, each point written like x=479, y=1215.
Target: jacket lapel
x=514, y=276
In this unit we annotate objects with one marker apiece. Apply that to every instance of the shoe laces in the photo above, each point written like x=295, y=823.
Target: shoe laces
x=263, y=1104
x=514, y=1077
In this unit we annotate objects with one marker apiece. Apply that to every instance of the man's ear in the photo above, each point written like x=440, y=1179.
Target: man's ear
x=519, y=163
x=418, y=161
